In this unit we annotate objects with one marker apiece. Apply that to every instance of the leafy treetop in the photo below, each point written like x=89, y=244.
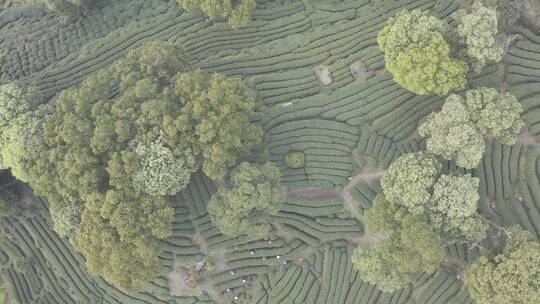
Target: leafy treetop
x=478, y=28
x=409, y=179
x=237, y=12
x=512, y=277
x=403, y=245
x=453, y=207
x=246, y=205
x=457, y=131
x=453, y=135
x=418, y=56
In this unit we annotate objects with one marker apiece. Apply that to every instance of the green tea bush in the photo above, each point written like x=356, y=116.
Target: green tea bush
x=294, y=159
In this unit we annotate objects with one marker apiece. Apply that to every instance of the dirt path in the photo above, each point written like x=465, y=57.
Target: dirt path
x=178, y=286
x=456, y=266
x=348, y=201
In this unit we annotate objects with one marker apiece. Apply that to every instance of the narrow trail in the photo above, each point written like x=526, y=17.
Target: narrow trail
x=348, y=201
x=456, y=266
x=177, y=285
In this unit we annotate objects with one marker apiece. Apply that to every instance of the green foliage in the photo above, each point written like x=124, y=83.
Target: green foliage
x=68, y=8
x=478, y=28
x=453, y=135
x=418, y=56
x=294, y=159
x=246, y=205
x=66, y=220
x=453, y=207
x=403, y=244
x=512, y=277
x=456, y=132
x=113, y=249
x=14, y=101
x=408, y=180
x=129, y=135
x=160, y=172
x=219, y=108
x=237, y=12
x=22, y=141
x=495, y=113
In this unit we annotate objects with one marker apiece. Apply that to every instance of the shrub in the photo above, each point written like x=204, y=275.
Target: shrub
x=418, y=56
x=294, y=159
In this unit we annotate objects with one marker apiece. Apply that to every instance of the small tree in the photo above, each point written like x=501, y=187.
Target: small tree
x=512, y=277
x=66, y=220
x=478, y=28
x=408, y=180
x=418, y=56
x=246, y=205
x=160, y=172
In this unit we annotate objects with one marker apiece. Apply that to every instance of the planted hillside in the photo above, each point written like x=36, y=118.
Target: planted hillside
x=269, y=151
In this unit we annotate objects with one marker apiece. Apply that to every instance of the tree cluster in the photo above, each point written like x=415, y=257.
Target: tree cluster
x=419, y=211
x=457, y=132
x=238, y=12
x=246, y=204
x=112, y=149
x=449, y=202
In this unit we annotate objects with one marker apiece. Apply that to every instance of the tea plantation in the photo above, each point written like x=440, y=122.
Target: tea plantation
x=333, y=121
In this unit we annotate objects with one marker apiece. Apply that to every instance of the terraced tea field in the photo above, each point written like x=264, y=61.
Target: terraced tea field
x=349, y=122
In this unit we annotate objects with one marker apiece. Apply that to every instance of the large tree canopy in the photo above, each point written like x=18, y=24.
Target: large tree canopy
x=409, y=179
x=512, y=277
x=453, y=135
x=238, y=12
x=457, y=131
x=418, y=56
x=453, y=207
x=245, y=206
x=117, y=144
x=403, y=244
x=478, y=27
